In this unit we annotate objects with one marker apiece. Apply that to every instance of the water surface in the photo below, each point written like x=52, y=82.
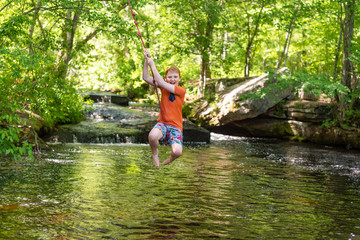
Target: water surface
x=231, y=189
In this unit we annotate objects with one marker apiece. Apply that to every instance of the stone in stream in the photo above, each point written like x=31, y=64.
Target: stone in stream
x=106, y=97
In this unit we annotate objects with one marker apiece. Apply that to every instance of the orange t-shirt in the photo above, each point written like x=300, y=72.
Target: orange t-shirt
x=171, y=107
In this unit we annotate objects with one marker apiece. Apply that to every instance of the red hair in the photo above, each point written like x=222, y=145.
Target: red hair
x=172, y=69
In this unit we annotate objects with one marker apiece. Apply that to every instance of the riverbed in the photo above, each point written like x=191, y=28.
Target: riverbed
x=233, y=188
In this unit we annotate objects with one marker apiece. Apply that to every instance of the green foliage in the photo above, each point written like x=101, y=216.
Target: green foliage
x=57, y=102
x=106, y=52
x=311, y=83
x=27, y=84
x=352, y=117
x=320, y=84
x=355, y=57
x=10, y=130
x=279, y=109
x=328, y=123
x=177, y=36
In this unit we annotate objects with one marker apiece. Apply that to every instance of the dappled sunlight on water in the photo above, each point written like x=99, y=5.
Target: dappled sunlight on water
x=234, y=188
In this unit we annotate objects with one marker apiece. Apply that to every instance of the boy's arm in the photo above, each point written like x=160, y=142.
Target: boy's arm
x=159, y=80
x=146, y=75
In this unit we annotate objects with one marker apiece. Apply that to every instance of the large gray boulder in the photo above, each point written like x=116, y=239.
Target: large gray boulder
x=229, y=107
x=298, y=120
x=292, y=130
x=302, y=110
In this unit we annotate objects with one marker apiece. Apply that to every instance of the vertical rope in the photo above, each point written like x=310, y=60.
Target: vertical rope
x=156, y=88
x=136, y=23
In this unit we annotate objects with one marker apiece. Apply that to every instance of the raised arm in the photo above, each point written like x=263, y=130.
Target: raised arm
x=161, y=83
x=146, y=75
x=158, y=78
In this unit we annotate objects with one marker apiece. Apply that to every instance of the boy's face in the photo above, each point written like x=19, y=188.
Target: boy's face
x=173, y=78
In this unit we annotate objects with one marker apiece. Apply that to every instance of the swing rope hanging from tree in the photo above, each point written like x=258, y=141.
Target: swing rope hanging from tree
x=156, y=90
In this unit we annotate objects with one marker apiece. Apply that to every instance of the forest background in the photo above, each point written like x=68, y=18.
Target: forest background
x=52, y=50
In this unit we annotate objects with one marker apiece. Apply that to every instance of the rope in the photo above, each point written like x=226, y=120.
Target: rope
x=156, y=88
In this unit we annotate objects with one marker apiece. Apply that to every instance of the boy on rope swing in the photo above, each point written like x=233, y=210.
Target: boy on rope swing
x=170, y=121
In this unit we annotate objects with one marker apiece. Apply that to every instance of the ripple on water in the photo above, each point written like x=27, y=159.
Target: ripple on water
x=234, y=188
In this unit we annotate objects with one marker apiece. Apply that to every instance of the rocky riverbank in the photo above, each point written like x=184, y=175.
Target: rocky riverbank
x=284, y=114
x=109, y=121
x=113, y=120
x=298, y=120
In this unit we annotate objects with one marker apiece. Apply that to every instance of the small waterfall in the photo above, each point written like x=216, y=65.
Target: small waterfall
x=108, y=123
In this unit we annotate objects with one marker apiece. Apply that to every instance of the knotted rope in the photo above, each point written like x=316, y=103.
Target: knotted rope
x=156, y=89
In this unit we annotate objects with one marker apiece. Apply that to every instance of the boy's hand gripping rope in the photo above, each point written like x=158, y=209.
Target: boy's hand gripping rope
x=156, y=90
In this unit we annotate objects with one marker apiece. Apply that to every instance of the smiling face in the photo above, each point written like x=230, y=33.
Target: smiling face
x=173, y=77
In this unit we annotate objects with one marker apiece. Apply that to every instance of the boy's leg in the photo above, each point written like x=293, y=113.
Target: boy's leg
x=175, y=140
x=154, y=136
x=176, y=151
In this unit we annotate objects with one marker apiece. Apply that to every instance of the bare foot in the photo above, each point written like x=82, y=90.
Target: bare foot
x=167, y=161
x=156, y=160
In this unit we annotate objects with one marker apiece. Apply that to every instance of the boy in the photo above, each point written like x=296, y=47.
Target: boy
x=170, y=119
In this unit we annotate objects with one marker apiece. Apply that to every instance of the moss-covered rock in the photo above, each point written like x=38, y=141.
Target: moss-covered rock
x=117, y=124
x=97, y=132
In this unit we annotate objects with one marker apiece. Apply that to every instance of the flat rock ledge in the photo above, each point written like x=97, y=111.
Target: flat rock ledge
x=120, y=125
x=293, y=130
x=295, y=120
x=106, y=97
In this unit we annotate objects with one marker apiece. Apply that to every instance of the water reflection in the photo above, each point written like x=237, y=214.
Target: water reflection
x=231, y=189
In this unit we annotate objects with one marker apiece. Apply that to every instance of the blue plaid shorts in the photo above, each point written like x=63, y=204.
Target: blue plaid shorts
x=175, y=134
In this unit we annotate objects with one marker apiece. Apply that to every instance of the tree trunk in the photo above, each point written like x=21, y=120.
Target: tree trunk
x=251, y=37
x=287, y=48
x=337, y=53
x=348, y=70
x=32, y=27
x=69, y=31
x=348, y=74
x=205, y=71
x=288, y=38
x=224, y=40
x=248, y=50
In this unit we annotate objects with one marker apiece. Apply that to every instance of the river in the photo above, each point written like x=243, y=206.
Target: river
x=233, y=188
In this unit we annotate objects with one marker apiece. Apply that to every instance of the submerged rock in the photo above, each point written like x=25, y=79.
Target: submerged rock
x=96, y=132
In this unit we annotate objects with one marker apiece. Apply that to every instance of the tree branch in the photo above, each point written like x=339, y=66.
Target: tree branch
x=91, y=35
x=83, y=42
x=6, y=6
